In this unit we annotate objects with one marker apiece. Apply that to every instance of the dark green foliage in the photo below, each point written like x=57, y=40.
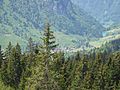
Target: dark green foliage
x=113, y=71
x=1, y=57
x=30, y=56
x=59, y=67
x=44, y=59
x=11, y=68
x=6, y=65
x=44, y=68
x=47, y=49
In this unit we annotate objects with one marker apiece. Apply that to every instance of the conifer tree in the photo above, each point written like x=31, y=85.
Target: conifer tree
x=9, y=49
x=12, y=66
x=42, y=75
x=24, y=74
x=6, y=65
x=17, y=65
x=59, y=68
x=30, y=61
x=1, y=56
x=47, y=48
x=30, y=46
x=113, y=71
x=30, y=56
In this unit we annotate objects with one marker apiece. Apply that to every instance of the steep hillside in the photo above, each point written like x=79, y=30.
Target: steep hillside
x=62, y=14
x=14, y=27
x=21, y=19
x=106, y=11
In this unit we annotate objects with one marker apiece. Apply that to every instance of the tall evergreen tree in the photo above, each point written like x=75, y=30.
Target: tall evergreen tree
x=30, y=59
x=42, y=74
x=30, y=56
x=47, y=49
x=12, y=66
x=6, y=65
x=17, y=65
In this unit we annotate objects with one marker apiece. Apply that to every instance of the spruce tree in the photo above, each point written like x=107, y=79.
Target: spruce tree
x=17, y=65
x=6, y=65
x=59, y=67
x=1, y=56
x=12, y=66
x=47, y=49
x=113, y=71
x=30, y=60
x=24, y=74
x=30, y=56
x=42, y=78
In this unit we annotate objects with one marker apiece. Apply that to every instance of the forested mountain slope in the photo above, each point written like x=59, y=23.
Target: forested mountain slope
x=21, y=19
x=40, y=68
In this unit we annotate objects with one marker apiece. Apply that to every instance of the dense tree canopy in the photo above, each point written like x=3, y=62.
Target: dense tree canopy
x=42, y=67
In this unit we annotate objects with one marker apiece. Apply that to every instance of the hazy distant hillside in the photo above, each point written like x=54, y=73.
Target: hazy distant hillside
x=104, y=10
x=21, y=19
x=62, y=14
x=112, y=33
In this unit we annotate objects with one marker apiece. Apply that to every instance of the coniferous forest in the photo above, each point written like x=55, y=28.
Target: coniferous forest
x=42, y=67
